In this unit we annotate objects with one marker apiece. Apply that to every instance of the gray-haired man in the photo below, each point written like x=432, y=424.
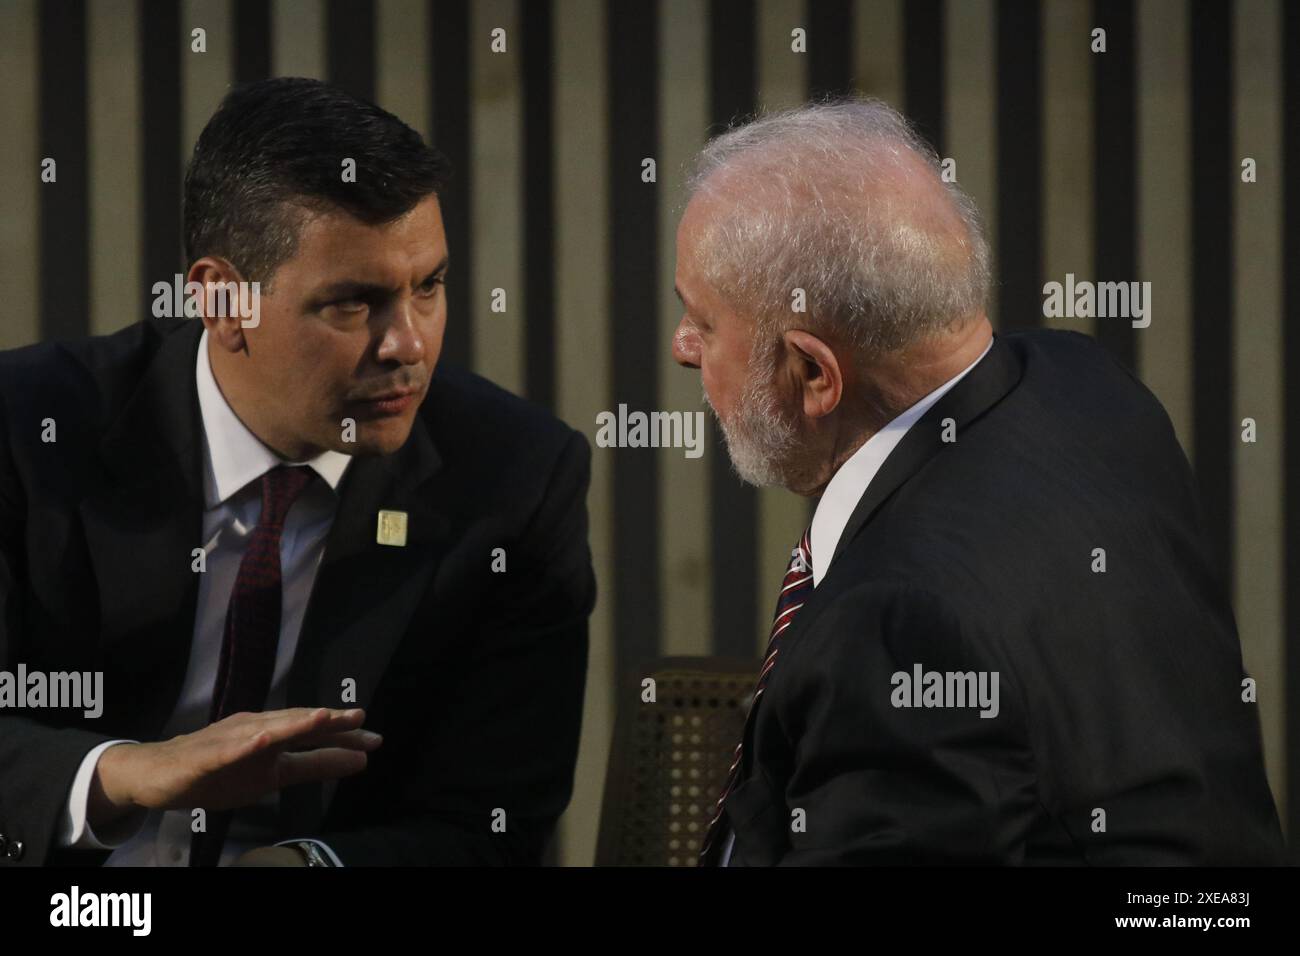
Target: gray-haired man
x=1001, y=640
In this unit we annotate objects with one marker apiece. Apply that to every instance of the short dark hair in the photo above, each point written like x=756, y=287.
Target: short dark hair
x=274, y=151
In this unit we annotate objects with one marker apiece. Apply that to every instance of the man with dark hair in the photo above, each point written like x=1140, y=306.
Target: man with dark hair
x=269, y=527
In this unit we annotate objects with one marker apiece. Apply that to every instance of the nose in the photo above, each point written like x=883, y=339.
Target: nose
x=686, y=345
x=402, y=342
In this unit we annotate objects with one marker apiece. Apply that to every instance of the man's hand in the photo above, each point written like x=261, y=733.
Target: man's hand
x=231, y=763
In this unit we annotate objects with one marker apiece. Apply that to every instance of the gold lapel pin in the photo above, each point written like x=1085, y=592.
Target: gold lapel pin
x=392, y=528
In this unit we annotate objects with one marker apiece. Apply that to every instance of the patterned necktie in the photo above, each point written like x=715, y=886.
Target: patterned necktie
x=252, y=630
x=795, y=589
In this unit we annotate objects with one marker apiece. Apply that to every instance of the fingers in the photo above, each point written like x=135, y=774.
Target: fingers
x=283, y=726
x=351, y=740
x=242, y=735
x=325, y=715
x=247, y=719
x=310, y=766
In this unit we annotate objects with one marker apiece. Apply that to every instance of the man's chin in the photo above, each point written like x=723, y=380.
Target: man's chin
x=377, y=438
x=758, y=479
x=752, y=462
x=754, y=469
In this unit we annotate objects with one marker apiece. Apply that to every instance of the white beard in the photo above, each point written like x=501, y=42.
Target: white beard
x=761, y=441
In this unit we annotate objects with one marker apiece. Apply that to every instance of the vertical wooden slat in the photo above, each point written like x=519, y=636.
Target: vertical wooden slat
x=633, y=308
x=923, y=68
x=539, y=201
x=116, y=298
x=1068, y=220
x=350, y=46
x=584, y=387
x=878, y=50
x=496, y=198
x=163, y=43
x=1115, y=164
x=403, y=78
x=1020, y=163
x=1291, y=412
x=1164, y=206
x=1259, y=374
x=684, y=514
x=298, y=38
x=830, y=49
x=782, y=73
x=1214, y=175
x=450, y=52
x=63, y=226
x=205, y=77
x=20, y=161
x=252, y=46
x=970, y=125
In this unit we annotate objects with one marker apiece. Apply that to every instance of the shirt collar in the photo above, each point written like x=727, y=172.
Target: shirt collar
x=233, y=456
x=849, y=484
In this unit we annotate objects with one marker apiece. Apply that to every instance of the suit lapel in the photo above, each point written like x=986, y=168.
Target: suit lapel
x=142, y=520
x=982, y=388
x=364, y=594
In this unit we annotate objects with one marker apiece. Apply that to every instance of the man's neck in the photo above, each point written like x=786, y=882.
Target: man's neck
x=892, y=386
x=898, y=382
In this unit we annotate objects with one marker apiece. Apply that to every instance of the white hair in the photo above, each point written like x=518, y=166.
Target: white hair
x=845, y=201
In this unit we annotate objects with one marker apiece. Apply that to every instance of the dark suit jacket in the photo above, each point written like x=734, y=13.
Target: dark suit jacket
x=474, y=678
x=1119, y=691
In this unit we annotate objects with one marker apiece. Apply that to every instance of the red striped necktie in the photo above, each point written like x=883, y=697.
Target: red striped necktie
x=795, y=589
x=252, y=630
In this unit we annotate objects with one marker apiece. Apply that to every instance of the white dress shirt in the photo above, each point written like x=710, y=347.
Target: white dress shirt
x=234, y=460
x=849, y=484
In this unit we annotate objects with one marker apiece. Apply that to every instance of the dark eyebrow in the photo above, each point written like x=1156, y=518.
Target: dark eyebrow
x=356, y=289
x=349, y=289
x=438, y=271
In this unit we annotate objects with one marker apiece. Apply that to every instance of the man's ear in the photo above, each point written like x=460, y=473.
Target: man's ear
x=817, y=372
x=226, y=330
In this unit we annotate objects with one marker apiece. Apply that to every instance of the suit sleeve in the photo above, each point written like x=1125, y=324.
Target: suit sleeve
x=883, y=783
x=498, y=764
x=37, y=762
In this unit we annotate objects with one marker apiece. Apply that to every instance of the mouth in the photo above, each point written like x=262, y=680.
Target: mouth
x=391, y=403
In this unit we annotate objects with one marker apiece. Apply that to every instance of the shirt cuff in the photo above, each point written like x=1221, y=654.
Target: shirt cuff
x=323, y=847
x=75, y=831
